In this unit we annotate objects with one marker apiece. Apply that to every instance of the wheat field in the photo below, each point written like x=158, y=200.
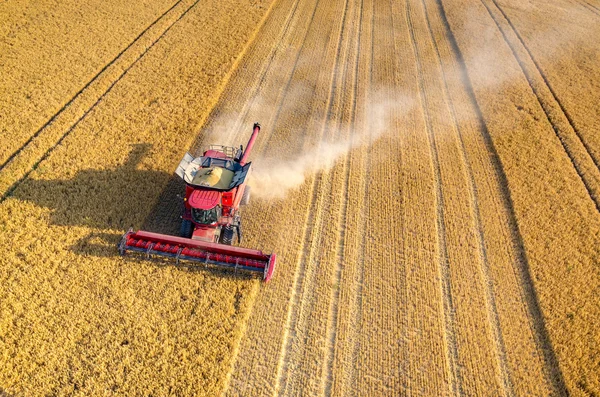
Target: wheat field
x=428, y=173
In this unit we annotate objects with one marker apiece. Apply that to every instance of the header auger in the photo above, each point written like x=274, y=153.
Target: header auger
x=211, y=222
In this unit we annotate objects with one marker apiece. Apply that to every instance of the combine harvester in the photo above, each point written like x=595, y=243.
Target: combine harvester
x=211, y=222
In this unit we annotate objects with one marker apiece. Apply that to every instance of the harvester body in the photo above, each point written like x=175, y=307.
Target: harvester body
x=211, y=220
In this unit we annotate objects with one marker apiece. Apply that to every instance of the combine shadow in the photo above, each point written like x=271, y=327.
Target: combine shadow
x=97, y=199
x=100, y=199
x=111, y=199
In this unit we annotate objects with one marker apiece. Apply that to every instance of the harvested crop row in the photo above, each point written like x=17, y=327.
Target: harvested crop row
x=382, y=307
x=501, y=261
x=566, y=55
x=555, y=216
x=296, y=127
x=310, y=346
x=77, y=319
x=341, y=310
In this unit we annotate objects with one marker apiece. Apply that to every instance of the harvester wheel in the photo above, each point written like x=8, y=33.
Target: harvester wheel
x=246, y=196
x=227, y=235
x=187, y=228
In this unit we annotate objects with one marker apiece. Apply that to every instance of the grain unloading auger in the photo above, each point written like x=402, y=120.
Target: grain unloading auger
x=215, y=189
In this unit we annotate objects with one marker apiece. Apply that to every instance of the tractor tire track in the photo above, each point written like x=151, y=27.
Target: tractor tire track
x=305, y=274
x=18, y=182
x=539, y=69
x=492, y=310
x=257, y=86
x=589, y=7
x=589, y=177
x=87, y=85
x=286, y=89
x=351, y=380
x=237, y=130
x=325, y=78
x=333, y=318
x=454, y=375
x=595, y=7
x=552, y=371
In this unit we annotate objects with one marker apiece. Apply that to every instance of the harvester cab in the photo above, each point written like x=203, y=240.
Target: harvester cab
x=211, y=220
x=215, y=188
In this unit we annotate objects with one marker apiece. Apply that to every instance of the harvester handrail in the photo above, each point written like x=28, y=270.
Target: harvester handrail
x=229, y=151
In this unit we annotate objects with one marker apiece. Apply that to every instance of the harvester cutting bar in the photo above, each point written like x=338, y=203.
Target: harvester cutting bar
x=198, y=251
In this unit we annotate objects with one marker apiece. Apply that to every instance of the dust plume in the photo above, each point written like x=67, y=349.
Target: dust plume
x=275, y=177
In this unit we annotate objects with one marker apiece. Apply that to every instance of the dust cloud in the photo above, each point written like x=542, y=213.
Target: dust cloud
x=274, y=177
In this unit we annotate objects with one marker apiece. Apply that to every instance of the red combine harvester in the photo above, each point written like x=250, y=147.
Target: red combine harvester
x=215, y=189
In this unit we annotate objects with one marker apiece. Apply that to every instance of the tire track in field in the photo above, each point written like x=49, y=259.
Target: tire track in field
x=595, y=7
x=552, y=371
x=333, y=317
x=16, y=184
x=454, y=375
x=297, y=293
x=351, y=380
x=281, y=98
x=545, y=79
x=299, y=289
x=256, y=86
x=589, y=7
x=87, y=85
x=490, y=298
x=289, y=82
x=591, y=183
x=273, y=122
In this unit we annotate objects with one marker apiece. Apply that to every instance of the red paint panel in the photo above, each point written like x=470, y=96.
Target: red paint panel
x=204, y=199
